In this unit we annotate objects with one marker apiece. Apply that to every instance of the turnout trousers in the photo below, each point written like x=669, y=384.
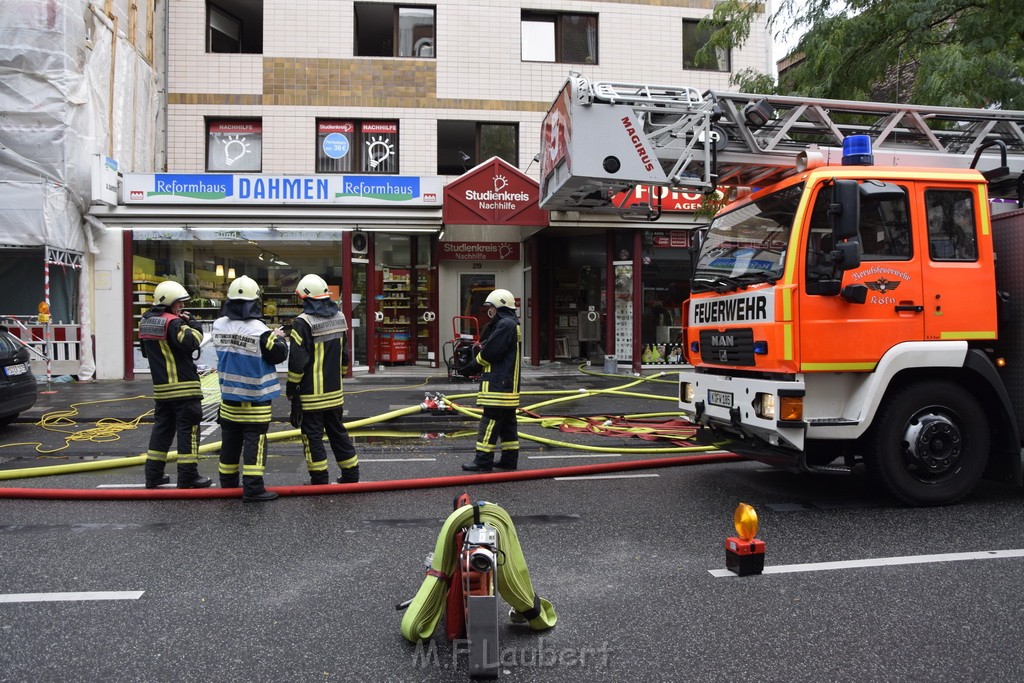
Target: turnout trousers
x=497, y=425
x=314, y=424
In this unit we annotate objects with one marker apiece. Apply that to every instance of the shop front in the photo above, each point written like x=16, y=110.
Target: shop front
x=373, y=239
x=487, y=213
x=616, y=288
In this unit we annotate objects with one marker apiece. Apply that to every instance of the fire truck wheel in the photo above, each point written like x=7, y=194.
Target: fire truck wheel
x=931, y=443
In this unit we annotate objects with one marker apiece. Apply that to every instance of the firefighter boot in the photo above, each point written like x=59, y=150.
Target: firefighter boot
x=317, y=478
x=155, y=474
x=229, y=481
x=509, y=460
x=483, y=462
x=189, y=478
x=349, y=475
x=253, y=490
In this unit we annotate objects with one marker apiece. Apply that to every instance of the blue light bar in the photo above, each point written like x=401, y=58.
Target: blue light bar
x=857, y=151
x=761, y=348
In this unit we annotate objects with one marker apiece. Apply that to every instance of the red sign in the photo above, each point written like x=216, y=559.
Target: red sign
x=479, y=251
x=236, y=127
x=672, y=238
x=687, y=202
x=335, y=127
x=493, y=193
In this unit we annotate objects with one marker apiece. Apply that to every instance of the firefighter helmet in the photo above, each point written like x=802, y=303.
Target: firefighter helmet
x=313, y=287
x=501, y=298
x=169, y=291
x=244, y=289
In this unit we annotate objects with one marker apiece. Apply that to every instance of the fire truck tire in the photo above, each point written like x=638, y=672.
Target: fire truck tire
x=930, y=444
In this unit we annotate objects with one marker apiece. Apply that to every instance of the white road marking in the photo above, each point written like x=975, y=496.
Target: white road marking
x=71, y=597
x=574, y=455
x=397, y=459
x=879, y=562
x=607, y=476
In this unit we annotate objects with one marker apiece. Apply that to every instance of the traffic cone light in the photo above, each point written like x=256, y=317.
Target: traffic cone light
x=744, y=554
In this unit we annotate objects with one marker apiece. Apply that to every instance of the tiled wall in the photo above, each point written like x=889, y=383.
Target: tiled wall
x=308, y=70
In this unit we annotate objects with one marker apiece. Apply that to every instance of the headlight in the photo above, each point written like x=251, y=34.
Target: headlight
x=764, y=406
x=686, y=392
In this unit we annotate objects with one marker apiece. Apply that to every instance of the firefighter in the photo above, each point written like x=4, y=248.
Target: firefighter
x=169, y=336
x=317, y=360
x=499, y=356
x=247, y=351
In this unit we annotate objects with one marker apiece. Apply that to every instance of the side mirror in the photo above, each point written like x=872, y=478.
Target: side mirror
x=844, y=209
x=855, y=294
x=846, y=255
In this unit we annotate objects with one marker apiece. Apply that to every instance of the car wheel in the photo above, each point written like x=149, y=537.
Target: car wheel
x=931, y=443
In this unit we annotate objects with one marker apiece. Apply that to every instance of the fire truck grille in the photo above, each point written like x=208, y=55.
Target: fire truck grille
x=728, y=347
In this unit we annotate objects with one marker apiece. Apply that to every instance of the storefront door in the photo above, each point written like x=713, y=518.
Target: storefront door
x=473, y=290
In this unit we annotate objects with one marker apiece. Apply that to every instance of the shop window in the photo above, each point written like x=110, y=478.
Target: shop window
x=234, y=145
x=695, y=37
x=234, y=26
x=387, y=30
x=559, y=37
x=348, y=146
x=461, y=145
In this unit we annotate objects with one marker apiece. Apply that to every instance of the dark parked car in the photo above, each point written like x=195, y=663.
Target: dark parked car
x=17, y=384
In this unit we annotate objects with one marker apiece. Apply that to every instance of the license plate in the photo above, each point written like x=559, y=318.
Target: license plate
x=17, y=369
x=720, y=398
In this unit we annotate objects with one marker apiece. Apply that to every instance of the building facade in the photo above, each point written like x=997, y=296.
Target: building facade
x=322, y=136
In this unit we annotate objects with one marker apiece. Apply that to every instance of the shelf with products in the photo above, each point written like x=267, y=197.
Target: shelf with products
x=394, y=301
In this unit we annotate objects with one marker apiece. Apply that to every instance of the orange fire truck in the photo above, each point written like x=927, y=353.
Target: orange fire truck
x=863, y=303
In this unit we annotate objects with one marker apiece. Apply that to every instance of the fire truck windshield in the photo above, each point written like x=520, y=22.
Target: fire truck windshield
x=748, y=244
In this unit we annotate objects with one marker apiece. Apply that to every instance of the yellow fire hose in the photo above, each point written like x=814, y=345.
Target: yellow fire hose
x=514, y=585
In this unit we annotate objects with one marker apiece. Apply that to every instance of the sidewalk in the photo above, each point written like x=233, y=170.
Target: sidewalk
x=367, y=395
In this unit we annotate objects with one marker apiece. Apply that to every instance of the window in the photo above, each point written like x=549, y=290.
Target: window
x=386, y=30
x=694, y=38
x=234, y=26
x=234, y=145
x=346, y=146
x=558, y=37
x=952, y=233
x=884, y=232
x=461, y=145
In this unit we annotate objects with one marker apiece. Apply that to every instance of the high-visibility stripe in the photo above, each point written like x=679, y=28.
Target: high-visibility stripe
x=787, y=302
x=169, y=362
x=969, y=334
x=189, y=389
x=159, y=456
x=322, y=401
x=837, y=367
x=246, y=413
x=349, y=463
x=787, y=341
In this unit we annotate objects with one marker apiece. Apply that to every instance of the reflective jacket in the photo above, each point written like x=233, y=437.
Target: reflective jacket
x=318, y=355
x=169, y=342
x=247, y=351
x=500, y=358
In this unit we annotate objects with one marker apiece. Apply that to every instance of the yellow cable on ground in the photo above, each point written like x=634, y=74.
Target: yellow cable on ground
x=420, y=620
x=105, y=431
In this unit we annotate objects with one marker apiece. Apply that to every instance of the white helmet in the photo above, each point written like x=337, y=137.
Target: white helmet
x=313, y=287
x=244, y=289
x=501, y=298
x=169, y=291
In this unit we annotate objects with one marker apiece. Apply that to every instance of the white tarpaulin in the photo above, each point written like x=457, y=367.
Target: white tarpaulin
x=73, y=84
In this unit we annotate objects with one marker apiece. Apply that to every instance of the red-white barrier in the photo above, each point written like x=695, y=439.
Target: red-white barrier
x=65, y=339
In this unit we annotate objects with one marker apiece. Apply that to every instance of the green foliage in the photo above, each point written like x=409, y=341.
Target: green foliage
x=964, y=53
